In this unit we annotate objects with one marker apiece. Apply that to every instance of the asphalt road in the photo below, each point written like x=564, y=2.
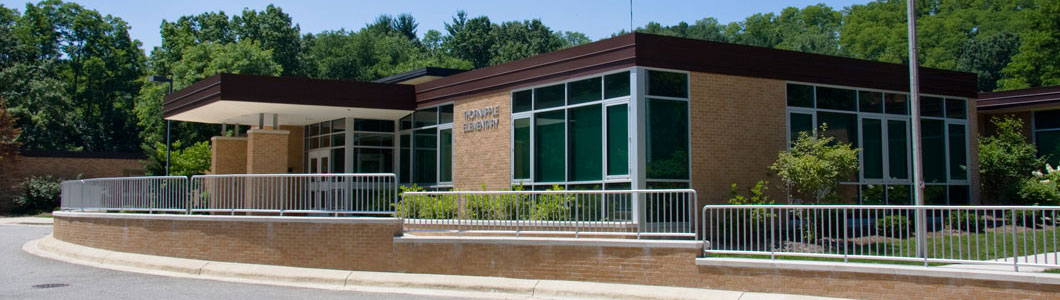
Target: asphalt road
x=20, y=272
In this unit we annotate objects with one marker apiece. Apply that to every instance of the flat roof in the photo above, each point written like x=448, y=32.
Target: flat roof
x=648, y=50
x=1038, y=98
x=289, y=90
x=418, y=75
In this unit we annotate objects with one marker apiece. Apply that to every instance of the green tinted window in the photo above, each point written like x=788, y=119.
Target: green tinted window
x=445, y=114
x=935, y=195
x=549, y=141
x=425, y=156
x=958, y=156
x=445, y=155
x=426, y=117
x=549, y=96
x=585, y=142
x=618, y=140
x=899, y=195
x=931, y=106
x=1049, y=145
x=338, y=160
x=406, y=122
x=667, y=84
x=934, y=146
x=897, y=104
x=522, y=101
x=800, y=95
x=368, y=160
x=844, y=127
x=836, y=98
x=898, y=149
x=521, y=153
x=1047, y=119
x=872, y=152
x=800, y=123
x=406, y=158
x=873, y=194
x=870, y=101
x=667, y=139
x=955, y=108
x=959, y=195
x=616, y=85
x=582, y=91
x=373, y=125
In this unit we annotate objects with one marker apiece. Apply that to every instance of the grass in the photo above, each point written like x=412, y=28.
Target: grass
x=1054, y=271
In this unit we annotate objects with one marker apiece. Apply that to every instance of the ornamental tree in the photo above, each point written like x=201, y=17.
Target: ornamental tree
x=814, y=166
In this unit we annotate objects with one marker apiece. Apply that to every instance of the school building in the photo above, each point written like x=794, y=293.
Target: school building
x=637, y=111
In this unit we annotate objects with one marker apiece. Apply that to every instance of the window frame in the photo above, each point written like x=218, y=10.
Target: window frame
x=438, y=127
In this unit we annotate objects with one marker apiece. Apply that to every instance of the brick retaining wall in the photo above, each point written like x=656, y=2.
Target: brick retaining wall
x=376, y=244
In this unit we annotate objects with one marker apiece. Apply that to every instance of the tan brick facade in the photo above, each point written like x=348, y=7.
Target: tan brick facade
x=267, y=151
x=483, y=157
x=295, y=148
x=738, y=126
x=370, y=245
x=228, y=155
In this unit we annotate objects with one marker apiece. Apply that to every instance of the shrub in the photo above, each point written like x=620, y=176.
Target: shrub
x=39, y=194
x=893, y=226
x=815, y=165
x=1006, y=159
x=1041, y=188
x=424, y=206
x=965, y=221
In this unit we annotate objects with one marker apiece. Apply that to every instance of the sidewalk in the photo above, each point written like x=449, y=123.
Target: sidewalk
x=26, y=221
x=421, y=284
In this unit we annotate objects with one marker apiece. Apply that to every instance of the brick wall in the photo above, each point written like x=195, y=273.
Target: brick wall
x=228, y=155
x=266, y=151
x=13, y=170
x=737, y=128
x=482, y=157
x=369, y=244
x=295, y=148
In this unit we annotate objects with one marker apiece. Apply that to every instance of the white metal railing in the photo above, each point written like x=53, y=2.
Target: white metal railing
x=334, y=194
x=337, y=194
x=632, y=213
x=998, y=235
x=135, y=194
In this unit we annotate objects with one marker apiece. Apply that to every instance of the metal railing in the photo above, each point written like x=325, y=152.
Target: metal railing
x=133, y=194
x=337, y=194
x=333, y=194
x=997, y=235
x=631, y=213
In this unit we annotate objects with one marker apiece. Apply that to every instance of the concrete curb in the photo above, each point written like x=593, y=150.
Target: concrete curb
x=382, y=282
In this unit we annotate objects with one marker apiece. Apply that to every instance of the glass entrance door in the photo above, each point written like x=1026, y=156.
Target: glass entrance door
x=319, y=186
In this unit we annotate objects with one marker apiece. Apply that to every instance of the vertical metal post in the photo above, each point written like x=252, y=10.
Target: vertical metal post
x=167, y=130
x=914, y=109
x=261, y=121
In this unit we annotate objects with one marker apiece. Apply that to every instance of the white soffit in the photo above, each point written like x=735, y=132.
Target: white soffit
x=246, y=113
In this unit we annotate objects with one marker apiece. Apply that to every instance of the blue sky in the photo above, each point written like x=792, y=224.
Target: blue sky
x=597, y=19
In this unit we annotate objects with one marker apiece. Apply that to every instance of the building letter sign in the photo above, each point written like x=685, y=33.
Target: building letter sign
x=480, y=119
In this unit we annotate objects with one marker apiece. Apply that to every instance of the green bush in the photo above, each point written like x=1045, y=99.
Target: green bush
x=556, y=206
x=966, y=221
x=1006, y=160
x=39, y=194
x=893, y=226
x=814, y=166
x=1041, y=188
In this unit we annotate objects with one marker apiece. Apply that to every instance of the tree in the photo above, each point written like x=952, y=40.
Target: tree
x=517, y=40
x=191, y=160
x=273, y=30
x=8, y=133
x=987, y=57
x=1037, y=63
x=814, y=166
x=470, y=39
x=1005, y=160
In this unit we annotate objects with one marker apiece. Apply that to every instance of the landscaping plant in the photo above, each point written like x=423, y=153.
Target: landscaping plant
x=39, y=194
x=1006, y=160
x=814, y=166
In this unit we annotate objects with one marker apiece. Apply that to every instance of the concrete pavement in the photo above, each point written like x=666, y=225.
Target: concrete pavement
x=372, y=282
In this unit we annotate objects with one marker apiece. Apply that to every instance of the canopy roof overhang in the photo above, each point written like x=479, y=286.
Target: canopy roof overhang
x=1032, y=99
x=247, y=99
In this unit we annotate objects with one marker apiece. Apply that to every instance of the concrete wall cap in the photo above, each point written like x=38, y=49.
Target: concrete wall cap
x=903, y=270
x=268, y=131
x=539, y=241
x=228, y=138
x=224, y=218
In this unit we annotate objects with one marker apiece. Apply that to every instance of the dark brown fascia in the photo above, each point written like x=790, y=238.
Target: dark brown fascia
x=1030, y=99
x=290, y=90
x=639, y=49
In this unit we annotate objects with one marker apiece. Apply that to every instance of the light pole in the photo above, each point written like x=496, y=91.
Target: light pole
x=914, y=109
x=159, y=78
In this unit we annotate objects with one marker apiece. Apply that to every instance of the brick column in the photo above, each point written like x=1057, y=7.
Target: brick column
x=267, y=151
x=228, y=155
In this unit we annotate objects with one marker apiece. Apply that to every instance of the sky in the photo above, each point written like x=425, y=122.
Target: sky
x=597, y=19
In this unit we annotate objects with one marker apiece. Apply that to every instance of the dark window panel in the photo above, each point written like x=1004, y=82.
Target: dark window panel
x=836, y=98
x=956, y=109
x=896, y=104
x=930, y=106
x=522, y=101
x=616, y=85
x=667, y=84
x=549, y=96
x=586, y=90
x=870, y=101
x=800, y=95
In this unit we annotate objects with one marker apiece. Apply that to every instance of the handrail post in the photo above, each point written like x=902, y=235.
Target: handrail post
x=1015, y=253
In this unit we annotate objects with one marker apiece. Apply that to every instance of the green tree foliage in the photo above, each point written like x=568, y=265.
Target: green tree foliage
x=184, y=161
x=209, y=58
x=1037, y=62
x=70, y=69
x=8, y=133
x=814, y=166
x=1042, y=188
x=273, y=30
x=484, y=43
x=38, y=194
x=1006, y=159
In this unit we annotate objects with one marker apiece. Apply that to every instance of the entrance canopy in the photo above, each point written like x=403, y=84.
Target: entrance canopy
x=248, y=99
